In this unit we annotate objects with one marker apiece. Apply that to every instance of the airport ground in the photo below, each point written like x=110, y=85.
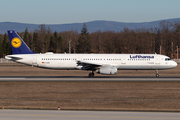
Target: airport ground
x=15, y=69
x=88, y=95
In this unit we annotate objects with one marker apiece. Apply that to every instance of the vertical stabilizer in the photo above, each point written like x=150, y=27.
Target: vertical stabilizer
x=18, y=46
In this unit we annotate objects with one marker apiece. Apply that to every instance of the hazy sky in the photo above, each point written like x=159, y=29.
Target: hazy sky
x=78, y=11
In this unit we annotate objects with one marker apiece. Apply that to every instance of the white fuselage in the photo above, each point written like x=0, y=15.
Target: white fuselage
x=120, y=61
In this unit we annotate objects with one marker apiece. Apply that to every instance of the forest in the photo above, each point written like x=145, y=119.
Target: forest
x=165, y=39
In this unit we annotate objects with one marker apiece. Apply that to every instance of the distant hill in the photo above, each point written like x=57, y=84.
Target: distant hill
x=91, y=26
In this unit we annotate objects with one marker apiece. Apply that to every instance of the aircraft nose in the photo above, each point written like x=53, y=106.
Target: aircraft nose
x=174, y=64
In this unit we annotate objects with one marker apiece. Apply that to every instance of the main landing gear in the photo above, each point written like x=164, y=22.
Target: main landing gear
x=157, y=74
x=91, y=74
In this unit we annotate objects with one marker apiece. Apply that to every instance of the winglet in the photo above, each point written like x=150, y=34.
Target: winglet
x=18, y=46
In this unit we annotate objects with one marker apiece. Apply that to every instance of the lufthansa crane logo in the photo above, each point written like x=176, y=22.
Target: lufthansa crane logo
x=16, y=42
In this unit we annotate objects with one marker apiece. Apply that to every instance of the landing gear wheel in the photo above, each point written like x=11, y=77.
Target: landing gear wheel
x=157, y=75
x=91, y=74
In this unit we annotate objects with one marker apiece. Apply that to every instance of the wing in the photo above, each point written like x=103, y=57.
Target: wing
x=88, y=65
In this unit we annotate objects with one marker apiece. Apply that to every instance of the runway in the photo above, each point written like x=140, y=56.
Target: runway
x=84, y=115
x=80, y=78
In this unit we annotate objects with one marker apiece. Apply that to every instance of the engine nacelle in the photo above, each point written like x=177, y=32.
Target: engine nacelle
x=109, y=70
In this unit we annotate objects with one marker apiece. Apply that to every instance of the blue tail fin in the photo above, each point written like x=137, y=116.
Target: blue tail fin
x=18, y=46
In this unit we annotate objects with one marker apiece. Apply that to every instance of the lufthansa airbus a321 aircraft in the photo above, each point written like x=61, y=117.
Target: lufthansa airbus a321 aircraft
x=101, y=63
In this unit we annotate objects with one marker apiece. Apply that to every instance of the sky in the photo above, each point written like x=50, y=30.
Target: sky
x=80, y=11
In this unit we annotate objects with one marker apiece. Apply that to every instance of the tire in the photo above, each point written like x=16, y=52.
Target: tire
x=157, y=75
x=91, y=74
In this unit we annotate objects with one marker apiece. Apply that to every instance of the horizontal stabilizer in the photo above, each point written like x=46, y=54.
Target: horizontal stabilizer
x=13, y=58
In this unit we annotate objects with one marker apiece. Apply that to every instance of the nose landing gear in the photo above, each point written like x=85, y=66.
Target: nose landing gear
x=157, y=74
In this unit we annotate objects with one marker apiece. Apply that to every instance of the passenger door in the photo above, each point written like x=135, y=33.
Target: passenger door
x=34, y=61
x=157, y=60
x=123, y=61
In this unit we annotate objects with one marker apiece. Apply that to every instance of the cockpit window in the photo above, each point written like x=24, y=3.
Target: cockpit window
x=167, y=59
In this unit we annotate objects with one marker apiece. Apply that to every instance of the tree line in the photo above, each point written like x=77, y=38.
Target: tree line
x=164, y=39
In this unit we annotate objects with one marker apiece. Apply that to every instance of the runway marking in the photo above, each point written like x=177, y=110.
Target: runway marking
x=87, y=79
x=95, y=116
x=12, y=78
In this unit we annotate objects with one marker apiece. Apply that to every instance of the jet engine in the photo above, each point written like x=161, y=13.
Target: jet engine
x=108, y=70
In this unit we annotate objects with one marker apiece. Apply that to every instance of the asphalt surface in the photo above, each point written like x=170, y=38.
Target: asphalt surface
x=80, y=78
x=85, y=115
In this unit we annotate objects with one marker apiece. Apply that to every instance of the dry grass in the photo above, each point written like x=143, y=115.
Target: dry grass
x=158, y=96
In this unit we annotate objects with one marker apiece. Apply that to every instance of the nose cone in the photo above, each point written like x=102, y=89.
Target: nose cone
x=174, y=64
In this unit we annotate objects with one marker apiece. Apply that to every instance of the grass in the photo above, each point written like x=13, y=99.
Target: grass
x=151, y=96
